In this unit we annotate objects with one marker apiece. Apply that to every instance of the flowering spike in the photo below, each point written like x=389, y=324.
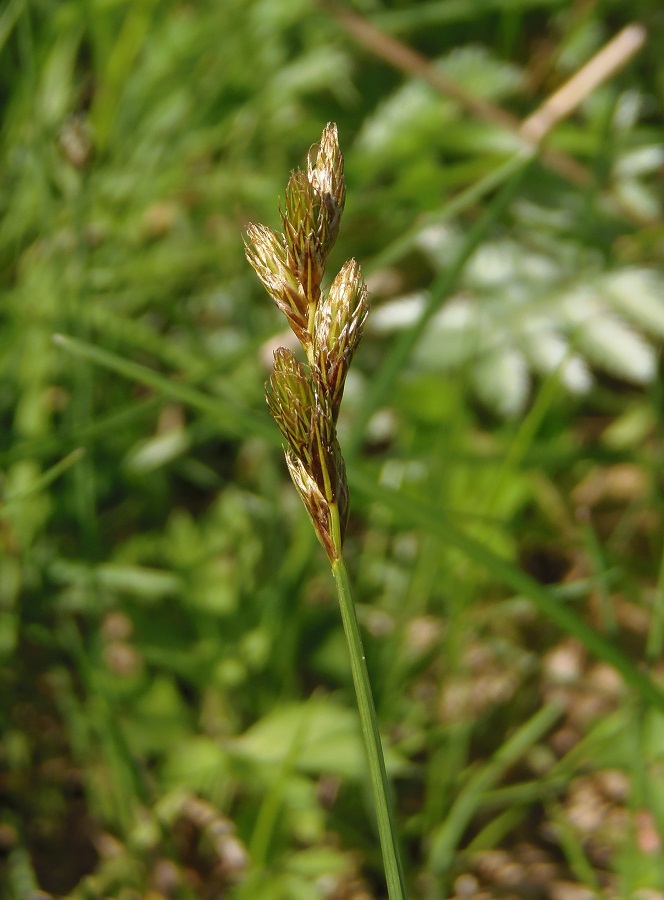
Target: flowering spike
x=305, y=400
x=291, y=400
x=338, y=327
x=267, y=253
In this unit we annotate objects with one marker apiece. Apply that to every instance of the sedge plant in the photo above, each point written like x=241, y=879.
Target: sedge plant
x=304, y=399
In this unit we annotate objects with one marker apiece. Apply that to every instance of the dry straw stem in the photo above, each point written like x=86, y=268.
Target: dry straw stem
x=537, y=126
x=567, y=98
x=305, y=399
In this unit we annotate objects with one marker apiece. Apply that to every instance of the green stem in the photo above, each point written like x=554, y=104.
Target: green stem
x=381, y=789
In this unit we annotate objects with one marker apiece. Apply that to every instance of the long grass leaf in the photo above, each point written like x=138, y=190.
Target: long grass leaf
x=429, y=518
x=233, y=419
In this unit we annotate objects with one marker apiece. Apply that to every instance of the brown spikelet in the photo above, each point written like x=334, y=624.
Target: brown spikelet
x=290, y=398
x=268, y=254
x=338, y=326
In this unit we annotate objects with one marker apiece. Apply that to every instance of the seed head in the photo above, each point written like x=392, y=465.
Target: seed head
x=290, y=398
x=317, y=505
x=338, y=326
x=326, y=174
x=312, y=212
x=268, y=254
x=305, y=400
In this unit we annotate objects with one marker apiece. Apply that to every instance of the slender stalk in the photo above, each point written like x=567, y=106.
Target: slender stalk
x=379, y=783
x=304, y=401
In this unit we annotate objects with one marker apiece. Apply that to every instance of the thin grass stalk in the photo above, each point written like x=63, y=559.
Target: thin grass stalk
x=304, y=399
x=379, y=782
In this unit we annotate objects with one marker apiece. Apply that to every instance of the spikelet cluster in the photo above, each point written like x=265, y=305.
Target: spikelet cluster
x=304, y=399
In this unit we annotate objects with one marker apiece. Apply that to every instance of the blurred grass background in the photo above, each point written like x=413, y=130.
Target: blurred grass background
x=176, y=712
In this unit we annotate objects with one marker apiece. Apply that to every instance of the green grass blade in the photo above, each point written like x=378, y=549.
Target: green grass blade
x=429, y=518
x=234, y=420
x=446, y=838
x=398, y=356
x=656, y=632
x=459, y=204
x=9, y=19
x=47, y=478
